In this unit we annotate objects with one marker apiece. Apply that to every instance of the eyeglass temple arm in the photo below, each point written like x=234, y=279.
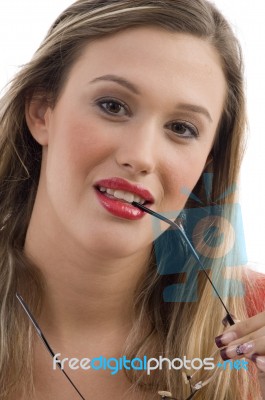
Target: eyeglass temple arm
x=191, y=396
x=44, y=340
x=183, y=233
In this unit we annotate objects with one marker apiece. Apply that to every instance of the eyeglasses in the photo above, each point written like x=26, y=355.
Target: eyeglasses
x=180, y=228
x=208, y=375
x=195, y=383
x=188, y=379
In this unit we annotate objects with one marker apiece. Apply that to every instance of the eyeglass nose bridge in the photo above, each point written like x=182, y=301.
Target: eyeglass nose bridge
x=206, y=378
x=166, y=395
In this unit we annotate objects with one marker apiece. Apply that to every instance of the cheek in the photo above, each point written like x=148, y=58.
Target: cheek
x=180, y=180
x=78, y=146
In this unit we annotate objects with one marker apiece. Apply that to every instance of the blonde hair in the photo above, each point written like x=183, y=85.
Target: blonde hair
x=175, y=327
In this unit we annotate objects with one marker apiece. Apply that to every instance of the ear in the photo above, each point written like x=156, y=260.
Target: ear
x=37, y=114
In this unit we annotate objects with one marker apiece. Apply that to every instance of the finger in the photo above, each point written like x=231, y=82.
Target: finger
x=241, y=329
x=249, y=349
x=260, y=333
x=237, y=350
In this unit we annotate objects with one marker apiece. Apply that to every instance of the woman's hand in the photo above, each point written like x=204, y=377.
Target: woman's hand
x=246, y=338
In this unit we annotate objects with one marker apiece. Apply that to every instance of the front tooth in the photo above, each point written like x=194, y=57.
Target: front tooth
x=137, y=199
x=120, y=194
x=128, y=197
x=110, y=191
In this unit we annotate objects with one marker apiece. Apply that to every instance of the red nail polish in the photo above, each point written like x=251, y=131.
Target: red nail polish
x=254, y=356
x=224, y=354
x=218, y=341
x=225, y=338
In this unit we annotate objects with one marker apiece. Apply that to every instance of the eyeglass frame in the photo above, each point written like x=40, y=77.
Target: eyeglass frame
x=229, y=318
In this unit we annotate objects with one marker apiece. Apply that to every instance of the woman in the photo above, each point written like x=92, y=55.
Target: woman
x=123, y=101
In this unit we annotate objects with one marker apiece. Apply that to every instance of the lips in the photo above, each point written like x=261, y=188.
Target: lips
x=116, y=194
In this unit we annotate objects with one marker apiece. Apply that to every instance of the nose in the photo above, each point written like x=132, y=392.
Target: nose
x=137, y=151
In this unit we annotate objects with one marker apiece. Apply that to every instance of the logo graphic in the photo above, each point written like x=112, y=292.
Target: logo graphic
x=114, y=365
x=236, y=364
x=216, y=233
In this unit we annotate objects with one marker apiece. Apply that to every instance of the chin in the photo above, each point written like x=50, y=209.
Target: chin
x=114, y=245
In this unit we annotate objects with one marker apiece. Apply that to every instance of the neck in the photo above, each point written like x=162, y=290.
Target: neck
x=84, y=292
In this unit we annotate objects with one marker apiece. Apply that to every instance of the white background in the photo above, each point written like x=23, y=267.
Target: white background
x=23, y=24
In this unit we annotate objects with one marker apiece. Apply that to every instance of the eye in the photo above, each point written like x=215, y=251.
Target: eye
x=183, y=129
x=113, y=107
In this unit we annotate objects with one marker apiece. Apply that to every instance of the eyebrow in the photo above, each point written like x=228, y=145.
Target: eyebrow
x=121, y=81
x=133, y=88
x=196, y=109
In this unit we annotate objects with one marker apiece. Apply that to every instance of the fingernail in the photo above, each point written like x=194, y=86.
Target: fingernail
x=224, y=355
x=253, y=357
x=246, y=347
x=225, y=320
x=229, y=352
x=225, y=338
x=236, y=350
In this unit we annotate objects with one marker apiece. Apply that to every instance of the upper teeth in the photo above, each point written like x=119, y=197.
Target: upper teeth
x=121, y=194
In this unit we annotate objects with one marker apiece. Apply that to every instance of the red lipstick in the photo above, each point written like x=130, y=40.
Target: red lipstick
x=121, y=207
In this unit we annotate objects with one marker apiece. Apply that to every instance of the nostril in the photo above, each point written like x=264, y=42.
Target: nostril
x=127, y=165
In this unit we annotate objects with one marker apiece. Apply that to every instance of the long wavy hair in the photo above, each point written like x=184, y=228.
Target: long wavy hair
x=177, y=324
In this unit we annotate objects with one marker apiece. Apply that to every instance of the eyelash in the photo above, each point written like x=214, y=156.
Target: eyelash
x=188, y=126
x=110, y=100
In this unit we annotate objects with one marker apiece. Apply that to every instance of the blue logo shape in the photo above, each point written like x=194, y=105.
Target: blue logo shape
x=236, y=364
x=213, y=246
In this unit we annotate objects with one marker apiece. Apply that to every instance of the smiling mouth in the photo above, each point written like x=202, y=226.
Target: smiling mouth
x=122, y=195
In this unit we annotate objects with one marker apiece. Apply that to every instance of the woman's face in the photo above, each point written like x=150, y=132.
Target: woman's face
x=136, y=119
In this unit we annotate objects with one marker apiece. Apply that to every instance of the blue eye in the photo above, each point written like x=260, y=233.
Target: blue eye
x=183, y=129
x=113, y=107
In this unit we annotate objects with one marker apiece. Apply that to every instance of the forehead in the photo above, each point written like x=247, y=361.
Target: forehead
x=157, y=61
